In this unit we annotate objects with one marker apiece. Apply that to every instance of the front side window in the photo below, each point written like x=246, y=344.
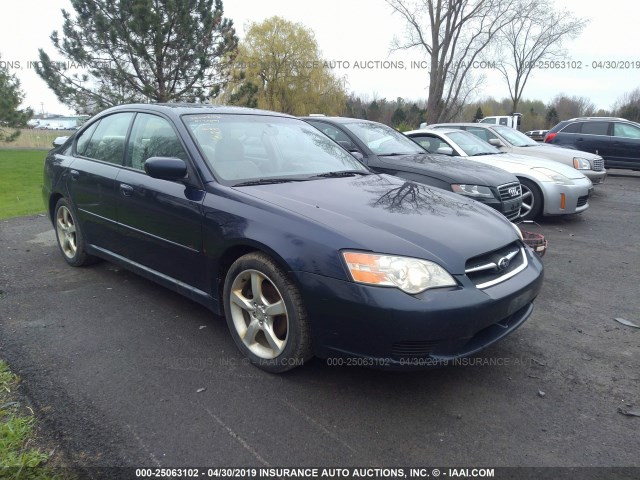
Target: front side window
x=152, y=136
x=83, y=139
x=108, y=140
x=430, y=143
x=514, y=137
x=383, y=140
x=482, y=133
x=625, y=130
x=241, y=148
x=472, y=145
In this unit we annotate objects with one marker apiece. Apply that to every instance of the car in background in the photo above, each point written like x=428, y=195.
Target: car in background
x=615, y=139
x=537, y=135
x=507, y=139
x=548, y=188
x=264, y=219
x=386, y=150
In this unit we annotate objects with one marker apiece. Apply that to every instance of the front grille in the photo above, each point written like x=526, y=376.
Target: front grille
x=582, y=201
x=511, y=216
x=497, y=266
x=510, y=191
x=597, y=165
x=413, y=348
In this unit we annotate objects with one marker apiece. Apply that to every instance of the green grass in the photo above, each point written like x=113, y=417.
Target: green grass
x=21, y=182
x=19, y=459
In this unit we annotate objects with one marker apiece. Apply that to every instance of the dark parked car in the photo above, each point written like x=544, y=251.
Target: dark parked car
x=615, y=139
x=386, y=150
x=262, y=218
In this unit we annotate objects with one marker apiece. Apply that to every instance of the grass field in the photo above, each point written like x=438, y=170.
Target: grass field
x=21, y=182
x=36, y=139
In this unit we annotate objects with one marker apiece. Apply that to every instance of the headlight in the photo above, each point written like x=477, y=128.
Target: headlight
x=476, y=191
x=548, y=175
x=410, y=275
x=581, y=163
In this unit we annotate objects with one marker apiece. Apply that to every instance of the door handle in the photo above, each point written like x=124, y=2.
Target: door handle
x=127, y=190
x=74, y=174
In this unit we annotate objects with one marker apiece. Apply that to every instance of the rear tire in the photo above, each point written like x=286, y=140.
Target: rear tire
x=70, y=236
x=265, y=314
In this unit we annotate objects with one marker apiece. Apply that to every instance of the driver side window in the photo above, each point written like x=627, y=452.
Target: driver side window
x=152, y=136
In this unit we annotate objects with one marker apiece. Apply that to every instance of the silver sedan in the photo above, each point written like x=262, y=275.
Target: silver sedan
x=548, y=188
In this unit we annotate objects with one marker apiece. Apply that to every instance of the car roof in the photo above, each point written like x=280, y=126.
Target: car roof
x=431, y=130
x=195, y=108
x=343, y=120
x=466, y=124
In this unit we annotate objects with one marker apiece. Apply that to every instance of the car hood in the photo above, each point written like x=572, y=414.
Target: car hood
x=552, y=152
x=521, y=164
x=385, y=214
x=449, y=169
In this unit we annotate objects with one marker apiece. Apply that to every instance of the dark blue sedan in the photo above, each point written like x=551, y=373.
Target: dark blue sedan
x=264, y=219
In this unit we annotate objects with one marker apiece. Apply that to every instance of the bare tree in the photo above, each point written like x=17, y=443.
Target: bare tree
x=533, y=40
x=453, y=34
x=571, y=107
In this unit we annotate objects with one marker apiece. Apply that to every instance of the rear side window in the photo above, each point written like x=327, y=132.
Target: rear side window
x=625, y=130
x=152, y=136
x=595, y=128
x=108, y=139
x=574, y=127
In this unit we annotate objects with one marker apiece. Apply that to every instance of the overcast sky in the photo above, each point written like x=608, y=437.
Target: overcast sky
x=362, y=31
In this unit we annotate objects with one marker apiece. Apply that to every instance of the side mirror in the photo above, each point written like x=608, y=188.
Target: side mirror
x=358, y=155
x=59, y=141
x=445, y=151
x=495, y=142
x=166, y=168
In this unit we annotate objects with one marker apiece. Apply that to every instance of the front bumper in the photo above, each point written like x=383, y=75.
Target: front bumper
x=388, y=328
x=595, y=177
x=576, y=197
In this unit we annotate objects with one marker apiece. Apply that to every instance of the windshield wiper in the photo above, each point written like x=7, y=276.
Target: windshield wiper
x=342, y=173
x=396, y=154
x=483, y=153
x=267, y=181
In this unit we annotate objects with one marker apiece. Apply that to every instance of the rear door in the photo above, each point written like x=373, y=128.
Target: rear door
x=594, y=138
x=625, y=146
x=90, y=181
x=160, y=220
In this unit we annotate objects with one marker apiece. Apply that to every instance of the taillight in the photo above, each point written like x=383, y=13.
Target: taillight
x=550, y=136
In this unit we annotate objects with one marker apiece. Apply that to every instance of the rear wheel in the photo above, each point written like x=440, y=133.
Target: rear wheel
x=532, y=200
x=69, y=235
x=265, y=314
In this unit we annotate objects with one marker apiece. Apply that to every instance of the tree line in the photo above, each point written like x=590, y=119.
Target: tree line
x=188, y=51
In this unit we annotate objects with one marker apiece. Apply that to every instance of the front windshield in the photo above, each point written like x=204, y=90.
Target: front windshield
x=383, y=140
x=241, y=148
x=514, y=137
x=472, y=145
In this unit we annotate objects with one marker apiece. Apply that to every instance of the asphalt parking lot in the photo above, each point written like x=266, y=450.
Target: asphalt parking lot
x=126, y=373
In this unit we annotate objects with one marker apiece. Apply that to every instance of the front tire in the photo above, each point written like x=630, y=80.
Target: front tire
x=265, y=314
x=532, y=200
x=69, y=235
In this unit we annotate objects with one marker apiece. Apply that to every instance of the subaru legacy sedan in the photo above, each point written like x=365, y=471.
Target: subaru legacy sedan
x=265, y=220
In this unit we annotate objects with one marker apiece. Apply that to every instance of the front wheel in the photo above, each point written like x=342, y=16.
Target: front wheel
x=532, y=200
x=69, y=235
x=265, y=314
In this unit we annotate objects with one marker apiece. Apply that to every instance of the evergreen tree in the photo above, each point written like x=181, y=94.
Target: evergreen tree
x=479, y=115
x=139, y=51
x=11, y=117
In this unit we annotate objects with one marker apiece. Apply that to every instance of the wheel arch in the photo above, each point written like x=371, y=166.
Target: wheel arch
x=234, y=252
